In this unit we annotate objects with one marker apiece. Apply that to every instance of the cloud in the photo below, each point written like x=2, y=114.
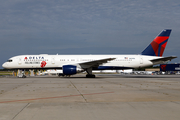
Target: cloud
x=50, y=26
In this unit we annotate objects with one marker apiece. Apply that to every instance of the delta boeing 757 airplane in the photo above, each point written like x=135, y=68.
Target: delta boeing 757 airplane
x=73, y=64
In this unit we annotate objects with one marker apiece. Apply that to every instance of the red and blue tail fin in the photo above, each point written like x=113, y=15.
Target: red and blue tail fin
x=157, y=46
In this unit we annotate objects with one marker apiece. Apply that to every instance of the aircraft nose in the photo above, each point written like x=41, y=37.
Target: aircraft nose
x=4, y=65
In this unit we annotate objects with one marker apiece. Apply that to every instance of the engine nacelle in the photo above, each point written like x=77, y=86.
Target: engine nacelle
x=71, y=69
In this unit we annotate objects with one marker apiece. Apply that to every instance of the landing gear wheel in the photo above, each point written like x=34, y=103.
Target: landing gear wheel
x=90, y=76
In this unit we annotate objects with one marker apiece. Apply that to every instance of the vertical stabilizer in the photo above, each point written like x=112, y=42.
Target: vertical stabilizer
x=157, y=46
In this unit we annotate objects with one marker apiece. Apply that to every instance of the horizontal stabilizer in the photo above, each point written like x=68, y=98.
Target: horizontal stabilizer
x=164, y=59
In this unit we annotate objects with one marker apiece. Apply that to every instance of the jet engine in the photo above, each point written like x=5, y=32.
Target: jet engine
x=71, y=69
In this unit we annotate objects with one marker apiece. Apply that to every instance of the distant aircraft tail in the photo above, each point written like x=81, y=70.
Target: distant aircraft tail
x=157, y=46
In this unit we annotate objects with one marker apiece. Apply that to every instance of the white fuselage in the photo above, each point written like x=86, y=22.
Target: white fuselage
x=57, y=61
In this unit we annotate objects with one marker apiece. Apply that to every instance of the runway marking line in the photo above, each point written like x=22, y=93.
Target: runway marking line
x=54, y=97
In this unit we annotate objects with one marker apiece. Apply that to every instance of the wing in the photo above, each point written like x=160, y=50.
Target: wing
x=95, y=63
x=163, y=59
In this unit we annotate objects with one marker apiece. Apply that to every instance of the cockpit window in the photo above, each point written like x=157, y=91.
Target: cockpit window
x=9, y=60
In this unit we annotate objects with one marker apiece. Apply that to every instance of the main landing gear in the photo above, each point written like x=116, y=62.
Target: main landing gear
x=90, y=75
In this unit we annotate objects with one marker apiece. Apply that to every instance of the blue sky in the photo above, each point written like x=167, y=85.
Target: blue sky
x=86, y=26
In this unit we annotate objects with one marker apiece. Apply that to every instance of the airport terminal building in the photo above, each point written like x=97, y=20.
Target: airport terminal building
x=170, y=67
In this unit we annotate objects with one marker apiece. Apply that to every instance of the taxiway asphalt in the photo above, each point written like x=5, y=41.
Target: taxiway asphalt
x=106, y=97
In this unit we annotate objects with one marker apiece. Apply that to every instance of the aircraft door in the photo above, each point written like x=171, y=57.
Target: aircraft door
x=141, y=60
x=20, y=61
x=53, y=60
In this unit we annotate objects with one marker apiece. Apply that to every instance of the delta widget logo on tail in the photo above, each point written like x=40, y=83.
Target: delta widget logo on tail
x=157, y=46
